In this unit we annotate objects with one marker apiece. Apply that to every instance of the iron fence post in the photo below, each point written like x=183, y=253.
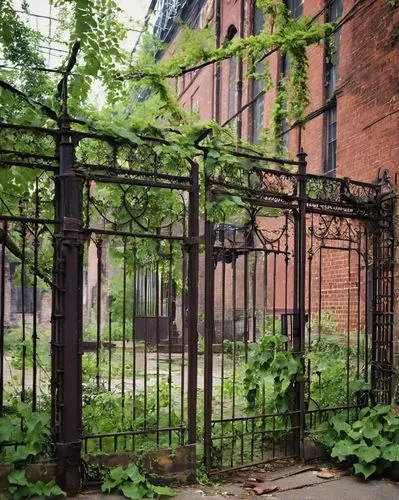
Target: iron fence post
x=67, y=313
x=208, y=333
x=299, y=338
x=192, y=278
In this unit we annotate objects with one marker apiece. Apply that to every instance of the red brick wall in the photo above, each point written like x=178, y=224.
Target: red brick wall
x=367, y=89
x=367, y=124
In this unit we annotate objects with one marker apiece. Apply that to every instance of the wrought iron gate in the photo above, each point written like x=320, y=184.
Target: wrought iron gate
x=96, y=326
x=102, y=331
x=309, y=264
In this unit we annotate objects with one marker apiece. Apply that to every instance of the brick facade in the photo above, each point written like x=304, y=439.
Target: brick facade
x=367, y=104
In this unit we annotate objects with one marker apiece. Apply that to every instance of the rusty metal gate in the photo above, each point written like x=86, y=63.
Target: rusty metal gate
x=114, y=323
x=98, y=270
x=304, y=263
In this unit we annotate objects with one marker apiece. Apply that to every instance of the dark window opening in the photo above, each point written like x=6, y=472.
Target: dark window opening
x=232, y=77
x=332, y=60
x=331, y=141
x=232, y=89
x=296, y=7
x=258, y=107
x=334, y=13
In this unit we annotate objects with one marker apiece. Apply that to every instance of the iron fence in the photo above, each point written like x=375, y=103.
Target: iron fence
x=104, y=289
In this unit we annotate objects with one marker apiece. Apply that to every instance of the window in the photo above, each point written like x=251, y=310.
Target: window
x=296, y=7
x=334, y=13
x=285, y=129
x=232, y=89
x=232, y=77
x=258, y=107
x=331, y=144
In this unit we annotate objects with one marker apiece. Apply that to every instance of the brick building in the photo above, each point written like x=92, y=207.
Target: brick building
x=351, y=125
x=351, y=129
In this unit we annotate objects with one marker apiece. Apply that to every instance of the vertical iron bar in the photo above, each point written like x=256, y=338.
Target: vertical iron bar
x=348, y=326
x=209, y=332
x=246, y=301
x=109, y=343
x=23, y=318
x=157, y=338
x=124, y=328
x=134, y=311
x=34, y=318
x=67, y=317
x=299, y=339
x=2, y=311
x=254, y=286
x=99, y=245
x=171, y=319
x=192, y=320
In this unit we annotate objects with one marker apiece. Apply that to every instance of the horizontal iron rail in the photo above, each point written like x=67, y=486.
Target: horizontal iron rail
x=135, y=235
x=24, y=154
x=128, y=171
x=241, y=154
x=33, y=220
x=30, y=128
x=138, y=182
x=135, y=433
x=35, y=166
x=276, y=200
x=253, y=417
x=263, y=432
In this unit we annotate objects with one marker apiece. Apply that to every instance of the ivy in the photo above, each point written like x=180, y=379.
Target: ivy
x=33, y=436
x=132, y=484
x=20, y=487
x=270, y=360
x=33, y=439
x=370, y=444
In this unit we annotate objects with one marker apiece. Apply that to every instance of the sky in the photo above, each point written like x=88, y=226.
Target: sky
x=53, y=51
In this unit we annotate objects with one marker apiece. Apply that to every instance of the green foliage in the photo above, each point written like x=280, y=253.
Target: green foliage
x=20, y=488
x=370, y=444
x=33, y=434
x=30, y=432
x=132, y=484
x=269, y=360
x=331, y=364
x=108, y=412
x=19, y=349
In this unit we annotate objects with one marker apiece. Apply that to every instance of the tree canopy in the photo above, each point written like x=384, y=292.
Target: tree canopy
x=94, y=31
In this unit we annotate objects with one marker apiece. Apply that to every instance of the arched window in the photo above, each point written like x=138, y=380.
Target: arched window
x=258, y=107
x=232, y=81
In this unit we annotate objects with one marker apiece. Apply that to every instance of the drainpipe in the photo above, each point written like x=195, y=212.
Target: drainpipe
x=241, y=33
x=216, y=89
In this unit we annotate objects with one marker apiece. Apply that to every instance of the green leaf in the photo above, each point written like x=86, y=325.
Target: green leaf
x=108, y=485
x=355, y=435
x=391, y=453
x=7, y=430
x=163, y=491
x=134, y=474
x=17, y=476
x=339, y=424
x=119, y=474
x=366, y=470
x=342, y=450
x=371, y=429
x=133, y=490
x=368, y=453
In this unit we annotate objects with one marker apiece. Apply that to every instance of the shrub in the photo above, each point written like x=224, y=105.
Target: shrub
x=370, y=444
